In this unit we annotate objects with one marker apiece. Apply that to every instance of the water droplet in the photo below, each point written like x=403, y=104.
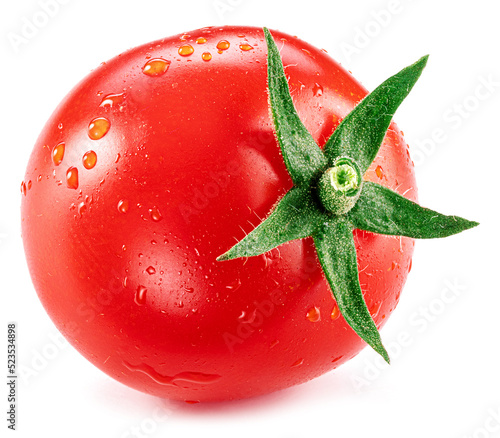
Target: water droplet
x=335, y=313
x=156, y=67
x=60, y=126
x=246, y=47
x=206, y=56
x=81, y=208
x=307, y=52
x=155, y=214
x=393, y=266
x=72, y=178
x=201, y=40
x=235, y=285
x=89, y=159
x=375, y=308
x=317, y=90
x=29, y=185
x=409, y=267
x=98, y=128
x=140, y=295
x=23, y=188
x=58, y=153
x=123, y=205
x=298, y=362
x=150, y=270
x=177, y=379
x=184, y=37
x=189, y=289
x=110, y=100
x=379, y=172
x=186, y=50
x=223, y=45
x=313, y=314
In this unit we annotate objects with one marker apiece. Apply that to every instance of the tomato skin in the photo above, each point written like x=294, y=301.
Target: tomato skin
x=124, y=263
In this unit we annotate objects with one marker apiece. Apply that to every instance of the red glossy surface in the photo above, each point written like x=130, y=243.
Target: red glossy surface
x=186, y=163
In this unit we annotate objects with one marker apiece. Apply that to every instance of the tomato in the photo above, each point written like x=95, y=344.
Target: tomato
x=155, y=164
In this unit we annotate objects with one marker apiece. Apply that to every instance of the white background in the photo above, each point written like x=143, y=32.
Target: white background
x=444, y=379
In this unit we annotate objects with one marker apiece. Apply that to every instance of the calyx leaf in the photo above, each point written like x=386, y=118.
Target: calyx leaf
x=302, y=212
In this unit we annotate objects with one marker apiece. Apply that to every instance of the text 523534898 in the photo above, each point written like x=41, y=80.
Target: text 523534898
x=11, y=375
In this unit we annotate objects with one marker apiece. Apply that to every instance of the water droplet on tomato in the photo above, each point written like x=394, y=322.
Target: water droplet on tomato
x=235, y=285
x=98, y=128
x=60, y=126
x=89, y=159
x=189, y=289
x=409, y=267
x=156, y=67
x=58, y=153
x=178, y=379
x=72, y=178
x=374, y=309
x=246, y=47
x=155, y=214
x=223, y=45
x=150, y=270
x=28, y=186
x=317, y=90
x=201, y=40
x=23, y=188
x=111, y=100
x=335, y=312
x=298, y=362
x=379, y=171
x=313, y=314
x=82, y=207
x=307, y=52
x=123, y=205
x=186, y=50
x=393, y=266
x=140, y=295
x=206, y=56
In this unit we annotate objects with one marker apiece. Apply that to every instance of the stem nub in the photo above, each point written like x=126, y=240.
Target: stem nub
x=340, y=186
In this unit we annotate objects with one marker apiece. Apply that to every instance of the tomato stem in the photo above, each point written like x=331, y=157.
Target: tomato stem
x=340, y=186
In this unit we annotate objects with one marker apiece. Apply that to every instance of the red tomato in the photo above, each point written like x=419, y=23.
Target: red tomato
x=157, y=163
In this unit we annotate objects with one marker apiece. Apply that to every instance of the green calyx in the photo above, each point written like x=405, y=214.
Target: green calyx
x=340, y=186
x=329, y=198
